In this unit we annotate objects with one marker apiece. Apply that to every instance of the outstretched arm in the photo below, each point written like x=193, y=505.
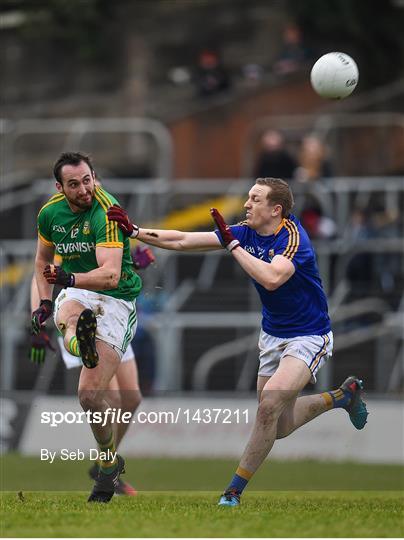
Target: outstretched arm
x=175, y=240
x=180, y=241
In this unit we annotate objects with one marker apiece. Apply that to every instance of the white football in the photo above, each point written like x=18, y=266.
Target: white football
x=334, y=75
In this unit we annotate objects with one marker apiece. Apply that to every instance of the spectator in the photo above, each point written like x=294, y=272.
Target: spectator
x=316, y=224
x=274, y=159
x=313, y=166
x=360, y=267
x=374, y=222
x=212, y=77
x=313, y=161
x=294, y=54
x=385, y=223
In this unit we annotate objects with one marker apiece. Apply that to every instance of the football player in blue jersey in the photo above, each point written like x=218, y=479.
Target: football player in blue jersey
x=296, y=338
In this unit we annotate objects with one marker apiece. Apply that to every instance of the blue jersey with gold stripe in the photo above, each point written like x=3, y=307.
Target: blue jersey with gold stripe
x=299, y=306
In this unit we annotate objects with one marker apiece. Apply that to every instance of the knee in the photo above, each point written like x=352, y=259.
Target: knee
x=68, y=322
x=114, y=399
x=72, y=318
x=131, y=400
x=269, y=411
x=90, y=400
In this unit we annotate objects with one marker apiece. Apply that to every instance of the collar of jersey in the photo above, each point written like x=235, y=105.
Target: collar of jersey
x=277, y=231
x=280, y=227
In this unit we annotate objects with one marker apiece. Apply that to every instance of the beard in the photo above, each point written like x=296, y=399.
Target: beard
x=80, y=203
x=83, y=205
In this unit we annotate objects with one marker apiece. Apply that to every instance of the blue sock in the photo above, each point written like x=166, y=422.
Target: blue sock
x=338, y=398
x=240, y=480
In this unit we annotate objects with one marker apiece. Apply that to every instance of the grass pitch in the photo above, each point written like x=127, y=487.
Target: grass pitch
x=193, y=514
x=351, y=500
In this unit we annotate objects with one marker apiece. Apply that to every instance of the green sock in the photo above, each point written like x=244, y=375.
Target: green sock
x=73, y=346
x=107, y=461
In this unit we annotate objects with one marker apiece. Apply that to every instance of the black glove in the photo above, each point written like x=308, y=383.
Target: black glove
x=40, y=315
x=55, y=275
x=39, y=344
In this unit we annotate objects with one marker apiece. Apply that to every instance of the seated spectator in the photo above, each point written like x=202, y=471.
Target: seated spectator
x=211, y=76
x=274, y=160
x=313, y=161
x=294, y=54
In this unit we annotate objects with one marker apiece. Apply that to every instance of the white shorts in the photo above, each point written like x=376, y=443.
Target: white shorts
x=116, y=318
x=74, y=361
x=313, y=350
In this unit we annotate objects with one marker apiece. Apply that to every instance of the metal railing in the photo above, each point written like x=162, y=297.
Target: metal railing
x=75, y=131
x=244, y=345
x=168, y=326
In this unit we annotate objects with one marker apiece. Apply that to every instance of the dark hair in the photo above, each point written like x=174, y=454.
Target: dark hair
x=280, y=193
x=70, y=158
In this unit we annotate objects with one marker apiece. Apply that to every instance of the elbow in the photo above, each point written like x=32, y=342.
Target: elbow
x=112, y=280
x=272, y=285
x=40, y=262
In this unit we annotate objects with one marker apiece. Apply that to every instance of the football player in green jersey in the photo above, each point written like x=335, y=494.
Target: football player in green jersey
x=95, y=312
x=124, y=385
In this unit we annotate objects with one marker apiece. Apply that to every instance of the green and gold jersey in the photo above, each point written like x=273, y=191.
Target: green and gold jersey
x=75, y=237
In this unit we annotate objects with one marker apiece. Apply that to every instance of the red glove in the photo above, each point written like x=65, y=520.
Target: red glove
x=228, y=240
x=118, y=214
x=40, y=315
x=142, y=256
x=56, y=275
